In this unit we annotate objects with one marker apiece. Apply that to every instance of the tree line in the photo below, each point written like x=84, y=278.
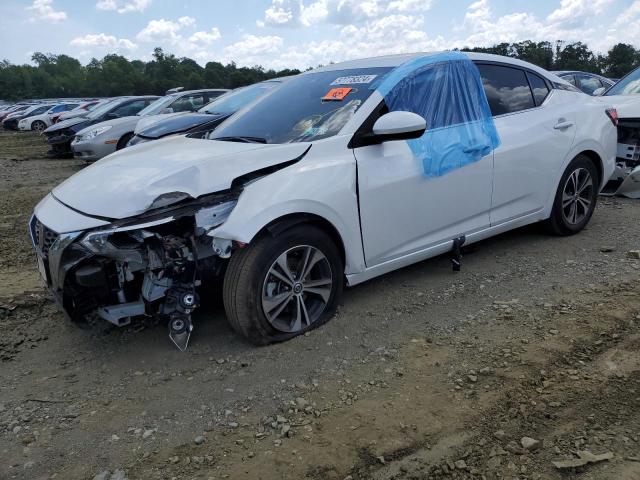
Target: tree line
x=52, y=76
x=58, y=76
x=619, y=60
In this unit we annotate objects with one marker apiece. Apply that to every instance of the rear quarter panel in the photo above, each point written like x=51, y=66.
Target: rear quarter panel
x=595, y=132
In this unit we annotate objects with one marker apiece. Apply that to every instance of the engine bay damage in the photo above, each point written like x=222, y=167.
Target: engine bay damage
x=625, y=180
x=146, y=267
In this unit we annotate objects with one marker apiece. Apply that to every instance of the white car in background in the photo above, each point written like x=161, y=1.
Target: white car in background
x=343, y=174
x=79, y=111
x=39, y=123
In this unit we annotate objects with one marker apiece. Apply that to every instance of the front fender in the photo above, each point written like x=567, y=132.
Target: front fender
x=326, y=190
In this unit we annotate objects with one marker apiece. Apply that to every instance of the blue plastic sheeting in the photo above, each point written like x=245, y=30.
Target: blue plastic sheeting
x=445, y=89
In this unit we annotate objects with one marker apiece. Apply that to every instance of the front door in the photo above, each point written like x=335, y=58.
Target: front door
x=411, y=201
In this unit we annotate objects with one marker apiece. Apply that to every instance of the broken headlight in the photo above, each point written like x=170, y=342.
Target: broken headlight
x=207, y=215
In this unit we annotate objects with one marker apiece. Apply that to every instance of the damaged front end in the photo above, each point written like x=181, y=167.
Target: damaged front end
x=625, y=180
x=149, y=266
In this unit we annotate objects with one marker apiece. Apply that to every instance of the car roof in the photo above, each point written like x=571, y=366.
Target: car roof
x=399, y=59
x=573, y=72
x=189, y=92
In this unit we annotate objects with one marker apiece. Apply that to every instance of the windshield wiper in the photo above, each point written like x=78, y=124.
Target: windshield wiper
x=242, y=139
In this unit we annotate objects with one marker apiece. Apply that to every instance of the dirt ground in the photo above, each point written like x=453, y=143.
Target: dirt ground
x=423, y=374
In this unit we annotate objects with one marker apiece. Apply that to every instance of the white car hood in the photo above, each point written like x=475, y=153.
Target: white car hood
x=628, y=106
x=127, y=182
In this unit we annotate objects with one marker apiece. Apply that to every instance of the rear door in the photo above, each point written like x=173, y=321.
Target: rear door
x=536, y=129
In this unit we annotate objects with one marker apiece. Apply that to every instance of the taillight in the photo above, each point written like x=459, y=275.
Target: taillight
x=612, y=113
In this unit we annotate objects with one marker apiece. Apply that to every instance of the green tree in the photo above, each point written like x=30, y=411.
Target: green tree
x=620, y=60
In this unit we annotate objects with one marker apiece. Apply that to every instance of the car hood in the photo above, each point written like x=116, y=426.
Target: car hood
x=127, y=182
x=149, y=120
x=176, y=124
x=115, y=122
x=66, y=124
x=628, y=106
x=69, y=115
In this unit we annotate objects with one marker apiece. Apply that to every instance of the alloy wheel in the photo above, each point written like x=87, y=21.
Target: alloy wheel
x=577, y=196
x=297, y=289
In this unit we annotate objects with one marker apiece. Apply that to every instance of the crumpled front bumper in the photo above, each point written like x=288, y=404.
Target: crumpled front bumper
x=56, y=255
x=54, y=229
x=91, y=150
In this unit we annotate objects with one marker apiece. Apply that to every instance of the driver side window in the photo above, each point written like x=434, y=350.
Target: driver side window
x=435, y=95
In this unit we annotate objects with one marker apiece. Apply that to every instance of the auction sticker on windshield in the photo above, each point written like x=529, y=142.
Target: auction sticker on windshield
x=337, y=94
x=354, y=79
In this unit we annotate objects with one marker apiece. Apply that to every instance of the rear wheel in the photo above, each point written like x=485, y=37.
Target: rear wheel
x=576, y=197
x=38, y=126
x=280, y=287
x=124, y=140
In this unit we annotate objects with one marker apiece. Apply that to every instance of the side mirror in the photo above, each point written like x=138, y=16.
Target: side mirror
x=399, y=126
x=167, y=110
x=598, y=92
x=111, y=116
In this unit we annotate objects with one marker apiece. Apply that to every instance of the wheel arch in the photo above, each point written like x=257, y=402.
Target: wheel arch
x=597, y=161
x=285, y=222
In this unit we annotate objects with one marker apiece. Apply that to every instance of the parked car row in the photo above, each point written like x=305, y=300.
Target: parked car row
x=285, y=191
x=38, y=115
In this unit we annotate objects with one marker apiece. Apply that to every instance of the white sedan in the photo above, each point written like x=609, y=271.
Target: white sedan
x=40, y=122
x=340, y=175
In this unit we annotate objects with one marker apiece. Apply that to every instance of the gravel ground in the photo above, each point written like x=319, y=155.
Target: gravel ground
x=528, y=356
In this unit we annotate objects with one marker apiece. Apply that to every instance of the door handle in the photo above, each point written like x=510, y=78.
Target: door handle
x=563, y=125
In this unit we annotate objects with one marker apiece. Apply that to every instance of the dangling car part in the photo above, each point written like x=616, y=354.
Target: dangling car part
x=340, y=174
x=625, y=97
x=625, y=180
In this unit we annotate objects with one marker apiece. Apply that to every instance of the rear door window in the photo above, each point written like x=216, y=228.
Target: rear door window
x=538, y=87
x=507, y=89
x=188, y=103
x=130, y=109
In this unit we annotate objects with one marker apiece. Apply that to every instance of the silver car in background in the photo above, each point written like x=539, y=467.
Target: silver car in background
x=101, y=139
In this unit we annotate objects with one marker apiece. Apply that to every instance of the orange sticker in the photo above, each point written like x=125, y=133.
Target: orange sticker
x=337, y=94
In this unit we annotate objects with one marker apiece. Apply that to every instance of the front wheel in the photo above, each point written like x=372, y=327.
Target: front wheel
x=124, y=140
x=280, y=287
x=576, y=197
x=38, y=126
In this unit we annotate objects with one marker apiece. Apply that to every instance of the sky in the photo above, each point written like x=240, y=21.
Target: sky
x=301, y=33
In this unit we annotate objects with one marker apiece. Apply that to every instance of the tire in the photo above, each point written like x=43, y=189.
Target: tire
x=570, y=213
x=124, y=140
x=38, y=126
x=254, y=281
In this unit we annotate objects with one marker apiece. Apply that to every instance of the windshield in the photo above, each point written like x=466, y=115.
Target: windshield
x=102, y=109
x=234, y=101
x=156, y=107
x=308, y=107
x=630, y=85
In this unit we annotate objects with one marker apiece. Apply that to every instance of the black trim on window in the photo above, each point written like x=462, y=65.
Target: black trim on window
x=363, y=137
